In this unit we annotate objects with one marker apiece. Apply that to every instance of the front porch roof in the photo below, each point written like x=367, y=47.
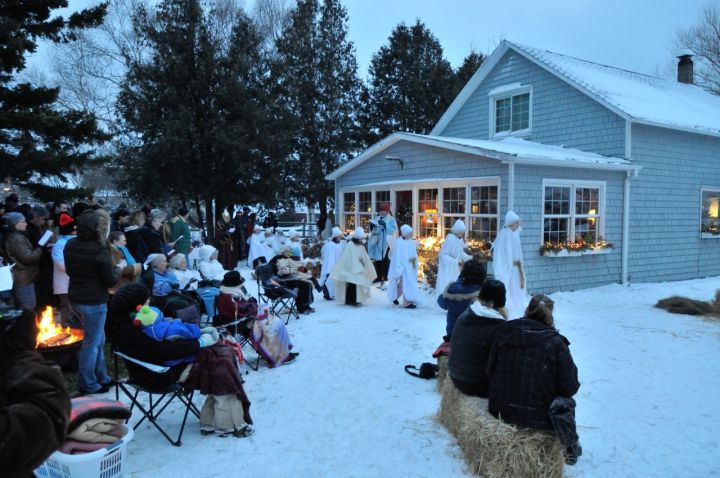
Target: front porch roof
x=508, y=150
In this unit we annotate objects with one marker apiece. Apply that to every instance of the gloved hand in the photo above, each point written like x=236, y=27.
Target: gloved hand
x=209, y=337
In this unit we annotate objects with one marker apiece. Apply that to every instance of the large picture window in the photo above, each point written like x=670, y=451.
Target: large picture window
x=710, y=211
x=483, y=212
x=572, y=211
x=428, y=212
x=348, y=223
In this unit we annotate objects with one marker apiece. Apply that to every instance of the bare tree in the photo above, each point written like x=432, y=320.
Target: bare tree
x=703, y=42
x=271, y=18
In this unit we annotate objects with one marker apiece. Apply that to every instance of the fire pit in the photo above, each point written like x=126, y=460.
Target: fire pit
x=56, y=343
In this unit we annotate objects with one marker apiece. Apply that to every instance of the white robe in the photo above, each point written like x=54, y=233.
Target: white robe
x=258, y=248
x=211, y=270
x=403, y=271
x=507, y=249
x=354, y=266
x=329, y=255
x=451, y=254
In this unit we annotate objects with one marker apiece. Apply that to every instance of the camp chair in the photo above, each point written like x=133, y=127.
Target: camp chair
x=281, y=299
x=161, y=384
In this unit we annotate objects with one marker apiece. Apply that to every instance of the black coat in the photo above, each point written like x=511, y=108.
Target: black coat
x=471, y=342
x=530, y=365
x=153, y=241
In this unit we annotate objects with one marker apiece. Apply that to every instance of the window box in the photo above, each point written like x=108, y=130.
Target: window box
x=580, y=248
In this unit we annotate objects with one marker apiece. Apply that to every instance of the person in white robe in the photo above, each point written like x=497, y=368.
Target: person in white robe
x=257, y=246
x=209, y=266
x=508, y=265
x=329, y=255
x=279, y=241
x=295, y=245
x=451, y=257
x=354, y=272
x=403, y=271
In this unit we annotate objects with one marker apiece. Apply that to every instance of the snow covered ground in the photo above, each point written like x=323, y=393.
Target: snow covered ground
x=648, y=404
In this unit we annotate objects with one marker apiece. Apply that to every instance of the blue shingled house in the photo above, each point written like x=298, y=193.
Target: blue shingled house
x=586, y=154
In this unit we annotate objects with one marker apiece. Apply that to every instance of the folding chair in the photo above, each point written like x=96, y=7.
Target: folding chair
x=162, y=384
x=281, y=299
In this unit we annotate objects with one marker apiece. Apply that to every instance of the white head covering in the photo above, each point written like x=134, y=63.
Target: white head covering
x=205, y=252
x=511, y=218
x=150, y=259
x=292, y=233
x=336, y=232
x=406, y=230
x=458, y=227
x=358, y=233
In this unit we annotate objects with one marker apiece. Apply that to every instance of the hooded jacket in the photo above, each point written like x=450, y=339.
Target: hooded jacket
x=530, y=365
x=26, y=258
x=471, y=344
x=455, y=299
x=88, y=260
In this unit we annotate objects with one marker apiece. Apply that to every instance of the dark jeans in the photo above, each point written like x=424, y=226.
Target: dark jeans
x=350, y=294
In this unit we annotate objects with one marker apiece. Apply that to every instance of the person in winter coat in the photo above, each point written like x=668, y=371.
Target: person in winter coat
x=460, y=294
x=135, y=243
x=89, y=264
x=451, y=257
x=403, y=270
x=180, y=231
x=34, y=404
x=529, y=368
x=61, y=281
x=473, y=338
x=26, y=257
x=508, y=264
x=152, y=234
x=132, y=271
x=209, y=266
x=37, y=227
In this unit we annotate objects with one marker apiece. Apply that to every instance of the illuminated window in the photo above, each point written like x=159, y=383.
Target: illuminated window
x=572, y=211
x=483, y=212
x=428, y=212
x=710, y=211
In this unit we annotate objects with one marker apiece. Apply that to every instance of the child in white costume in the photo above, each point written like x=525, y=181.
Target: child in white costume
x=451, y=257
x=402, y=274
x=508, y=265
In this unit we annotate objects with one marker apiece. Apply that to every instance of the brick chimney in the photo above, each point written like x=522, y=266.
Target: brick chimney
x=685, y=69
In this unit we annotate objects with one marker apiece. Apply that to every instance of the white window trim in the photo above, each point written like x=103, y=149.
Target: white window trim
x=573, y=184
x=501, y=93
x=415, y=186
x=703, y=189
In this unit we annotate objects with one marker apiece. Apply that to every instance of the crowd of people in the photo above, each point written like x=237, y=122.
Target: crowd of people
x=139, y=267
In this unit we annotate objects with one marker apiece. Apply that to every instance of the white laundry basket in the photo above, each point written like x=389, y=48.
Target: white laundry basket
x=106, y=462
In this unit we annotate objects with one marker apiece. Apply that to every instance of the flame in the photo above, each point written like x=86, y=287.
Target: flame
x=49, y=333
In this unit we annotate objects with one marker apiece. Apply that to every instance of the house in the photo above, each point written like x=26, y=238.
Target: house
x=585, y=153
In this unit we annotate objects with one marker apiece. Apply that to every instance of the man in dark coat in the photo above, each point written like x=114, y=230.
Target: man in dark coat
x=34, y=404
x=530, y=366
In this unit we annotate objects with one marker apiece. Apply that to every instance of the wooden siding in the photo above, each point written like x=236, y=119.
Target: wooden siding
x=665, y=242
x=561, y=114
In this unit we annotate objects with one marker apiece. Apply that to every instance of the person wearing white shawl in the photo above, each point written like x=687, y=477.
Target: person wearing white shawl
x=508, y=265
x=187, y=278
x=402, y=274
x=209, y=266
x=295, y=245
x=258, y=247
x=329, y=255
x=279, y=241
x=451, y=257
x=353, y=273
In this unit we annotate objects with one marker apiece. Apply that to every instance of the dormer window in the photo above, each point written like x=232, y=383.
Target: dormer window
x=510, y=110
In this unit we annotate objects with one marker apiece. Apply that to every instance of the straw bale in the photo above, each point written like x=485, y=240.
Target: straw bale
x=442, y=362
x=493, y=448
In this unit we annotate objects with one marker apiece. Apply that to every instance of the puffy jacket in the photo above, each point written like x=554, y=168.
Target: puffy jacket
x=20, y=250
x=530, y=365
x=471, y=344
x=455, y=299
x=88, y=260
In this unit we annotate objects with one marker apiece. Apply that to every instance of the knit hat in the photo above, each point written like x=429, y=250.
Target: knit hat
x=66, y=223
x=12, y=218
x=232, y=279
x=146, y=316
x=359, y=233
x=511, y=218
x=458, y=227
x=336, y=232
x=493, y=290
x=473, y=272
x=406, y=230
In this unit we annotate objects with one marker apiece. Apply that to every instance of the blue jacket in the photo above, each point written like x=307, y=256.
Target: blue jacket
x=455, y=299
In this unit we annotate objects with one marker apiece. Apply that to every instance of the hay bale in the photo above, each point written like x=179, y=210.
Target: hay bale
x=493, y=448
x=442, y=362
x=684, y=305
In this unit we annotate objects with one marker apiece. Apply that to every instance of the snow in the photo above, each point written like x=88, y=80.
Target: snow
x=642, y=97
x=647, y=405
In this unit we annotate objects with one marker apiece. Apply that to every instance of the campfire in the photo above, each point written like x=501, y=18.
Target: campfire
x=52, y=335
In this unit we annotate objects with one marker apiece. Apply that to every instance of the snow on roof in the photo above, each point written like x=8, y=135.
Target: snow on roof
x=644, y=98
x=510, y=149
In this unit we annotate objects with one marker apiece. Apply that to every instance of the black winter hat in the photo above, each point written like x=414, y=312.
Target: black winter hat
x=128, y=297
x=473, y=272
x=493, y=290
x=232, y=279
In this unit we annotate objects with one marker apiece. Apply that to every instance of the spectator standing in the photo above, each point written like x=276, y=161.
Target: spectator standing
x=180, y=231
x=61, y=281
x=26, y=256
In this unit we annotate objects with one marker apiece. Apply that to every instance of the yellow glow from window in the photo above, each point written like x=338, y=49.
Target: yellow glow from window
x=713, y=209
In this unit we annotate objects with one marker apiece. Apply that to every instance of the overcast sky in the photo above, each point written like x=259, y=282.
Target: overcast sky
x=636, y=35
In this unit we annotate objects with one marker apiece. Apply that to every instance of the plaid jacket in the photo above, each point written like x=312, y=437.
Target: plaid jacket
x=529, y=366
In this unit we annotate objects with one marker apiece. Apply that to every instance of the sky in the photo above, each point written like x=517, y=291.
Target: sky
x=636, y=35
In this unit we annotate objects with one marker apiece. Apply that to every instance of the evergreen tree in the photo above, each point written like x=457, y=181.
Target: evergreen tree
x=411, y=84
x=470, y=65
x=315, y=79
x=38, y=141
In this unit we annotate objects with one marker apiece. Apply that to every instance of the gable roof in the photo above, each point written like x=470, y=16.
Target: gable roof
x=508, y=150
x=633, y=96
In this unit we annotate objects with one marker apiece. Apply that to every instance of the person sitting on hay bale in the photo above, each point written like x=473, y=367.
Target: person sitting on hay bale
x=460, y=294
x=532, y=376
x=473, y=338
